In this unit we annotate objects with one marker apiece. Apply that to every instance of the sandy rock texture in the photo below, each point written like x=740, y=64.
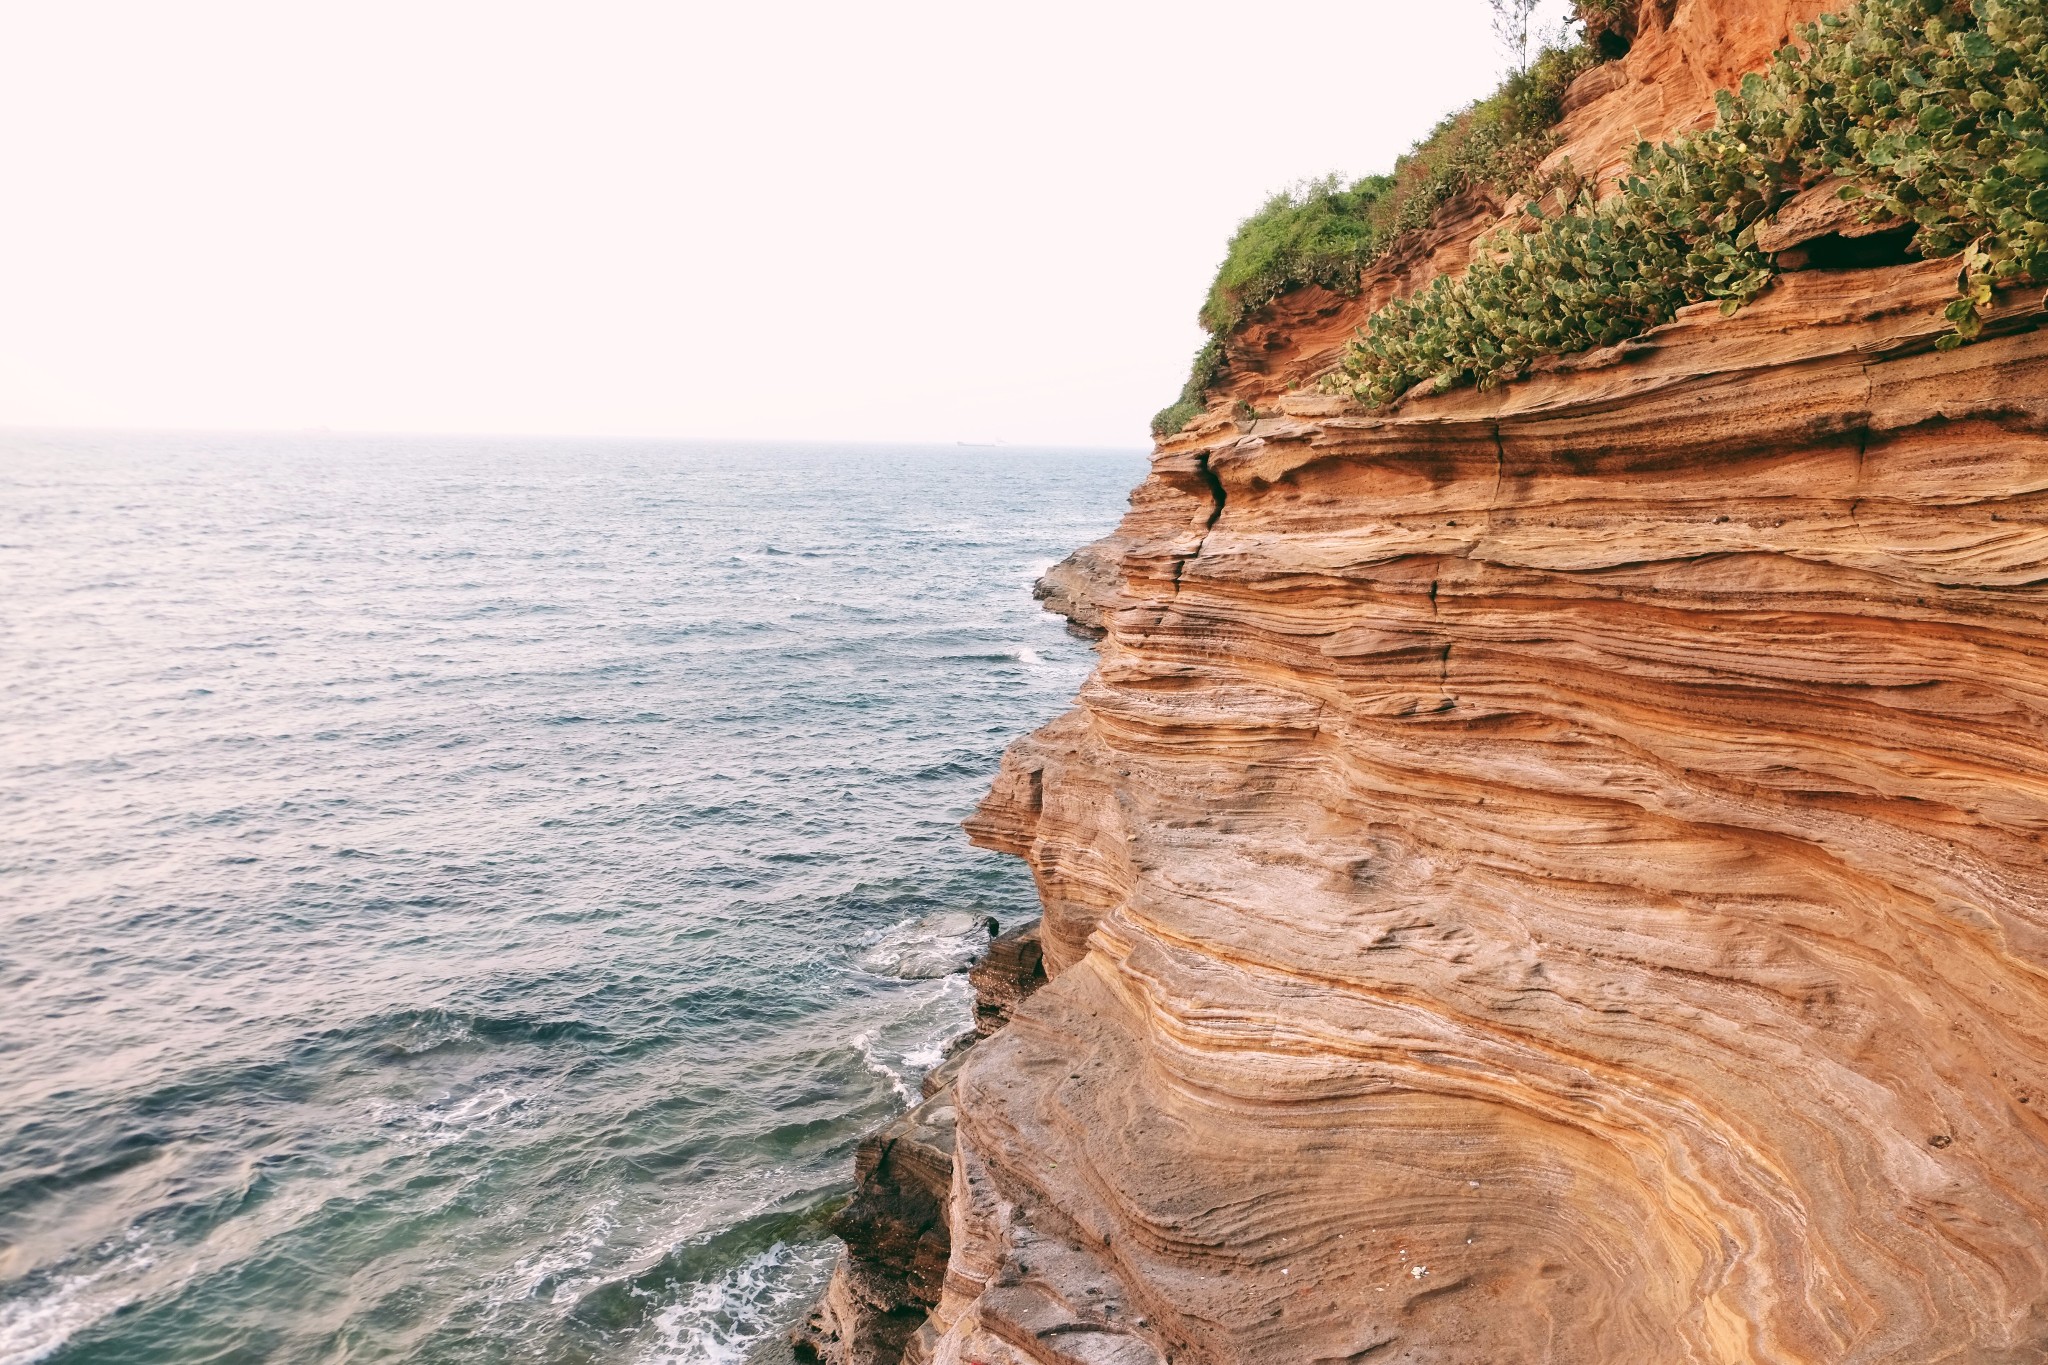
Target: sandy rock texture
x=1082, y=587
x=896, y=1231
x=1549, y=875
x=1010, y=971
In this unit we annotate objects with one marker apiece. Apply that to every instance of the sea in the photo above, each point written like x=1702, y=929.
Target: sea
x=434, y=874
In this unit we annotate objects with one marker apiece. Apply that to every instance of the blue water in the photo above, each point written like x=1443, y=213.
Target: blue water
x=431, y=872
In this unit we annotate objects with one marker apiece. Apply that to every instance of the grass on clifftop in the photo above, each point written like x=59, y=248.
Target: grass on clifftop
x=1322, y=233
x=1932, y=111
x=1326, y=233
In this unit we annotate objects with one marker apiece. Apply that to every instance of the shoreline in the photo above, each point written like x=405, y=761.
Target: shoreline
x=896, y=1228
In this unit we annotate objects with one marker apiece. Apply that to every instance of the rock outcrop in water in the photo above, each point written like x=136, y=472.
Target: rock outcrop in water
x=896, y=1232
x=897, y=1226
x=1555, y=874
x=1008, y=974
x=1080, y=588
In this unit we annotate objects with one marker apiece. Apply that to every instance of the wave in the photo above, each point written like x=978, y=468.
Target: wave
x=721, y=1321
x=444, y=1124
x=930, y=946
x=37, y=1326
x=933, y=1038
x=414, y=1032
x=864, y=1043
x=551, y=1272
x=634, y=1300
x=1009, y=654
x=54, y=1176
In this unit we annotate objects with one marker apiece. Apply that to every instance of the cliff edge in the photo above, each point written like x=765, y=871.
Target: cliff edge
x=1549, y=874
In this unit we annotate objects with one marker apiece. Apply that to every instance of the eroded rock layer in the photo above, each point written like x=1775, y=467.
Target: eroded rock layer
x=1549, y=875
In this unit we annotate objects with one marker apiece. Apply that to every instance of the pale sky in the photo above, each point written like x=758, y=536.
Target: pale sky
x=888, y=221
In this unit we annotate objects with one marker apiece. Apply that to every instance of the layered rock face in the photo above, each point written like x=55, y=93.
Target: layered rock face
x=1081, y=587
x=1548, y=875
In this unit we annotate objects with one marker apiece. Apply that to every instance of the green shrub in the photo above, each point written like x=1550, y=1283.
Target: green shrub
x=1176, y=415
x=1932, y=110
x=1321, y=233
x=1326, y=233
x=1184, y=409
x=1497, y=142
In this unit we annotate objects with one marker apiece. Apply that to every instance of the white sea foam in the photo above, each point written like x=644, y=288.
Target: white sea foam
x=36, y=1328
x=444, y=1122
x=864, y=1043
x=425, y=1035
x=554, y=1266
x=714, y=1206
x=932, y=1021
x=955, y=994
x=721, y=1321
x=1027, y=655
x=926, y=1057
x=31, y=1329
x=930, y=946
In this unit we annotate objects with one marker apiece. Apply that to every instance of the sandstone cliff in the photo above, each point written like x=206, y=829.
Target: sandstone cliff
x=1554, y=874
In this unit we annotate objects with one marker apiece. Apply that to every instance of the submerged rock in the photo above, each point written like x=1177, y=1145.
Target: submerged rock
x=934, y=946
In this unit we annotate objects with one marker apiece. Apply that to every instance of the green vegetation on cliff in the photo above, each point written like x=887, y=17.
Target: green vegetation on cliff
x=1931, y=110
x=1326, y=233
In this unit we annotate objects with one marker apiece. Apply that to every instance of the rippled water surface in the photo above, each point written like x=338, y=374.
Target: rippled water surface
x=431, y=874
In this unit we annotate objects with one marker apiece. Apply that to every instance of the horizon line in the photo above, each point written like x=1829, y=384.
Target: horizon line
x=10, y=429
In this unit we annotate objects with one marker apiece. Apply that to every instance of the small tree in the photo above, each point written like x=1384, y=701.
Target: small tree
x=1513, y=26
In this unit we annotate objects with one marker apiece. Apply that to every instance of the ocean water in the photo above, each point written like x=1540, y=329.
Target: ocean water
x=432, y=874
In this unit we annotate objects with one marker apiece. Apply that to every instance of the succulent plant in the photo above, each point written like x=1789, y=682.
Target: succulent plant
x=1931, y=111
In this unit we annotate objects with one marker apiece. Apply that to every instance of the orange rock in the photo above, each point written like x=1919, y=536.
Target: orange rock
x=1550, y=875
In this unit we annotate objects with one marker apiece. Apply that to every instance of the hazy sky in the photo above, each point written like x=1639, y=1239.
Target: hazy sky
x=915, y=221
